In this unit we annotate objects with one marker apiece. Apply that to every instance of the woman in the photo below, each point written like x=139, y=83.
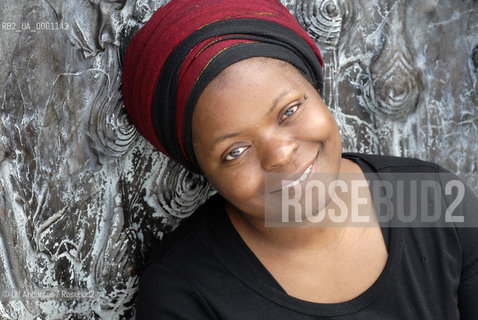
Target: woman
x=231, y=89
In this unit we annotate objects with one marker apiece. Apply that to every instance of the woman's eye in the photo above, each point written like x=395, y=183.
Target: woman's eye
x=235, y=153
x=289, y=112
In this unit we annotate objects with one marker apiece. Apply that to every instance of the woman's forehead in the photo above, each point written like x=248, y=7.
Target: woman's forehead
x=245, y=94
x=245, y=71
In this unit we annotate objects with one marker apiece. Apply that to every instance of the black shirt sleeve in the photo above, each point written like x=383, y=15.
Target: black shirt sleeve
x=468, y=235
x=468, y=288
x=165, y=294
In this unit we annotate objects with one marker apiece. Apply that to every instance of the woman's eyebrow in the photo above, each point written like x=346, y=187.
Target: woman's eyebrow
x=278, y=99
x=219, y=139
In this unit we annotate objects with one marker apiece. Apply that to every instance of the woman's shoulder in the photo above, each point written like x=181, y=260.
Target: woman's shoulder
x=182, y=272
x=170, y=284
x=184, y=242
x=407, y=183
x=393, y=163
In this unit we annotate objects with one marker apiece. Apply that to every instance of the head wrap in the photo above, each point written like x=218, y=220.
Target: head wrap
x=185, y=44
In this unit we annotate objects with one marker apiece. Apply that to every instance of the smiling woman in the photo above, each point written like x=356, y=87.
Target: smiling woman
x=259, y=117
x=231, y=89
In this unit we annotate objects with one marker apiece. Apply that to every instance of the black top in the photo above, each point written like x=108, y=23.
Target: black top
x=204, y=270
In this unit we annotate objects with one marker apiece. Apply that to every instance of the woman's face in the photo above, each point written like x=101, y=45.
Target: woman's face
x=257, y=117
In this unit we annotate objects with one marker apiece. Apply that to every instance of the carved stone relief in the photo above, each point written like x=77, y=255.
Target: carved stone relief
x=401, y=77
x=83, y=196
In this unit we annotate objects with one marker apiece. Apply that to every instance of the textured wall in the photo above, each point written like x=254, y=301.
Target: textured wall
x=82, y=196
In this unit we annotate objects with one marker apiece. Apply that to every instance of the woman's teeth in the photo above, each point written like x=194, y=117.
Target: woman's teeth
x=301, y=178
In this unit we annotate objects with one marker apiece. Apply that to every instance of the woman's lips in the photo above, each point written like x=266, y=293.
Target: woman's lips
x=304, y=176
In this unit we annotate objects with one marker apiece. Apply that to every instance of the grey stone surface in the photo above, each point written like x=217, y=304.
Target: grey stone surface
x=82, y=196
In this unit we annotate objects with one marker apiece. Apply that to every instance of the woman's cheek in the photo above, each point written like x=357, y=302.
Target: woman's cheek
x=242, y=185
x=320, y=124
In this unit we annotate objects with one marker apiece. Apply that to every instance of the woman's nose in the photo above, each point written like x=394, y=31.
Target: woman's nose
x=277, y=151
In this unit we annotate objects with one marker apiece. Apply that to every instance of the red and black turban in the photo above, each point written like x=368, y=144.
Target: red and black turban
x=185, y=44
